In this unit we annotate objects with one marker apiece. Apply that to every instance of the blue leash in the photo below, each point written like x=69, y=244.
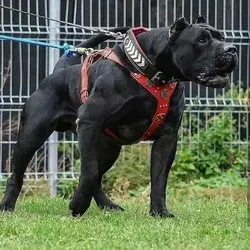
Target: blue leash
x=68, y=49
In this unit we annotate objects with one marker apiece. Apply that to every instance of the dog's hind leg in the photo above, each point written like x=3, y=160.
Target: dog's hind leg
x=36, y=125
x=109, y=152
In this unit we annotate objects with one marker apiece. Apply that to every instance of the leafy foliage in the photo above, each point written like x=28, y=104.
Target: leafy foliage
x=210, y=151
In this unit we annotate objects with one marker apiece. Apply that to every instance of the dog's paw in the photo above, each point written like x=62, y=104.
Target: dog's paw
x=111, y=207
x=78, y=207
x=7, y=207
x=162, y=213
x=79, y=204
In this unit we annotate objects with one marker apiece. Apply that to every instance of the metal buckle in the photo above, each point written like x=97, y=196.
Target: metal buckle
x=157, y=76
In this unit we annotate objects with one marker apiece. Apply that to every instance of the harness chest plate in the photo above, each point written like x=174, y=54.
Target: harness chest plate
x=161, y=93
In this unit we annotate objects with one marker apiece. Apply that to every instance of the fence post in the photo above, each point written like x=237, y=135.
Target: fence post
x=54, y=12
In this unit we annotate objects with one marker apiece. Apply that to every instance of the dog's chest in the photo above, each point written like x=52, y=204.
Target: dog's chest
x=131, y=130
x=138, y=117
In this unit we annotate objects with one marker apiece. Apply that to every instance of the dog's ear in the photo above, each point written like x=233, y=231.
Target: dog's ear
x=179, y=25
x=175, y=30
x=201, y=19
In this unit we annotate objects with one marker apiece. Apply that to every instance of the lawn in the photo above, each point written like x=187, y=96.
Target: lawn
x=204, y=221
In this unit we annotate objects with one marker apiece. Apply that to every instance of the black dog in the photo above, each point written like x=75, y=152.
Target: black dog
x=116, y=101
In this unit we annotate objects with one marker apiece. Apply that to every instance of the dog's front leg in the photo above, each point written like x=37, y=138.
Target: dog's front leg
x=90, y=117
x=162, y=157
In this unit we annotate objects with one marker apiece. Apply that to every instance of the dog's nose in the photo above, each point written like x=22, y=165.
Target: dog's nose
x=230, y=49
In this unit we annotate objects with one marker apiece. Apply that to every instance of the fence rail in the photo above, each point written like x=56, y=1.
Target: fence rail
x=22, y=67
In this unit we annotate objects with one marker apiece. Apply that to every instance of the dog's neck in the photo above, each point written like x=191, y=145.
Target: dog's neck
x=155, y=45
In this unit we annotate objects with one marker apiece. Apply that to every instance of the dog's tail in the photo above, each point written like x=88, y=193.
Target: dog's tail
x=92, y=42
x=99, y=38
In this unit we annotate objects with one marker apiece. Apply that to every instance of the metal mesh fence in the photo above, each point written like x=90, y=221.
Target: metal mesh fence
x=22, y=67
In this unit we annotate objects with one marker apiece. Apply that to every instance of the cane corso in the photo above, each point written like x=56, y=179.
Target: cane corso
x=117, y=102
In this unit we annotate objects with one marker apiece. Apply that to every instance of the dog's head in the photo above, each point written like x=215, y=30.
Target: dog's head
x=200, y=53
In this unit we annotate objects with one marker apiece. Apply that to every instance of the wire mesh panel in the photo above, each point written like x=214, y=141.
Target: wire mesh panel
x=24, y=66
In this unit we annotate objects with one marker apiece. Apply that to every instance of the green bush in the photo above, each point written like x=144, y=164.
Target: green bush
x=210, y=151
x=132, y=166
x=231, y=178
x=66, y=188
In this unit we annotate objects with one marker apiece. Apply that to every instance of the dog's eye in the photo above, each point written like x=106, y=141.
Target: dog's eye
x=203, y=41
x=222, y=39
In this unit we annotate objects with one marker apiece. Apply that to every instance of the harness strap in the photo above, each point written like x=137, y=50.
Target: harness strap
x=110, y=54
x=163, y=95
x=88, y=61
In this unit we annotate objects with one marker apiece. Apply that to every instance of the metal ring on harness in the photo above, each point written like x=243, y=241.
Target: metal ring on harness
x=70, y=50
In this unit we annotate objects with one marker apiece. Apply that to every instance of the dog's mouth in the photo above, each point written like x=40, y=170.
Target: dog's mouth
x=217, y=81
x=216, y=77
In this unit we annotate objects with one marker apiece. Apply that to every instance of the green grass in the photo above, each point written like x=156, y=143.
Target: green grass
x=202, y=222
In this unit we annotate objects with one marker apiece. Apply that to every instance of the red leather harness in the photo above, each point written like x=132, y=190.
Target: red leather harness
x=161, y=93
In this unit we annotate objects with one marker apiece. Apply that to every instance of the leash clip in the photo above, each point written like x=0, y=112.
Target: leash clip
x=116, y=35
